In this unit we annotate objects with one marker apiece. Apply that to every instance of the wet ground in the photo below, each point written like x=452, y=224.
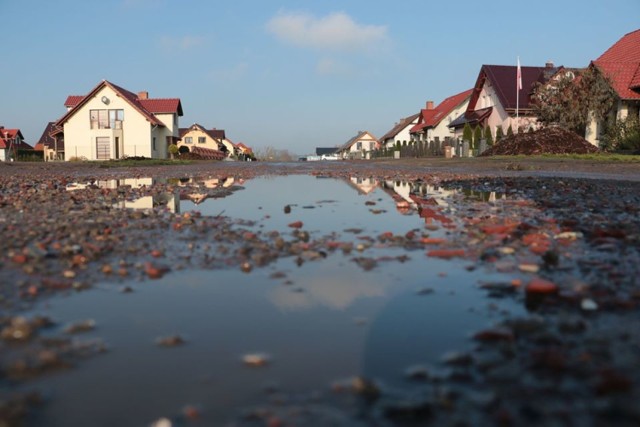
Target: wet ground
x=328, y=294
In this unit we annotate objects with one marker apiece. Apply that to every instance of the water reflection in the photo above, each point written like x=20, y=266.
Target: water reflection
x=321, y=321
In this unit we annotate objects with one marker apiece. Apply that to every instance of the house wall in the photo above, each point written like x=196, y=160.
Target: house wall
x=194, y=135
x=230, y=147
x=368, y=144
x=135, y=137
x=442, y=130
x=402, y=136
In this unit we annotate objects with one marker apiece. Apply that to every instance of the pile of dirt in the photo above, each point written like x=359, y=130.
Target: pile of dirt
x=551, y=140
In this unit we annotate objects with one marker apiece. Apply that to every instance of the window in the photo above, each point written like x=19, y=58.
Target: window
x=115, y=119
x=106, y=119
x=188, y=140
x=201, y=140
x=359, y=146
x=154, y=143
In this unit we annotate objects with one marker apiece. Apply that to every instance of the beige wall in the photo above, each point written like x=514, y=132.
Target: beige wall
x=135, y=137
x=194, y=135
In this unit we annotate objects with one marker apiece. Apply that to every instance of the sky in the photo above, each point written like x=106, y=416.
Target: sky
x=290, y=74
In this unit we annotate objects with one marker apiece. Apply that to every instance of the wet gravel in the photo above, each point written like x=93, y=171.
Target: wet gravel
x=572, y=246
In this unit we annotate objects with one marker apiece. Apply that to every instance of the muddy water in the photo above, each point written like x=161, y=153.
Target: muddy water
x=318, y=322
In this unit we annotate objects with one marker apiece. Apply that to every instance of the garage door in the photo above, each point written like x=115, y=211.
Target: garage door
x=102, y=148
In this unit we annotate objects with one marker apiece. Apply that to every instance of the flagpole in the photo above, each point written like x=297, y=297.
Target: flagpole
x=518, y=87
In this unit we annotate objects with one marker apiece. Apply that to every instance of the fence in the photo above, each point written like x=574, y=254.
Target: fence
x=434, y=148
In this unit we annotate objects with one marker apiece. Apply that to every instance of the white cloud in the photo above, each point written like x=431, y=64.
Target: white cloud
x=336, y=31
x=180, y=43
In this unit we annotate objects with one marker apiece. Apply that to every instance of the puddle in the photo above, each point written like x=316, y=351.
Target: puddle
x=320, y=321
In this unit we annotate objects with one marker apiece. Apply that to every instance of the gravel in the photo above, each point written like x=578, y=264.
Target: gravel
x=574, y=243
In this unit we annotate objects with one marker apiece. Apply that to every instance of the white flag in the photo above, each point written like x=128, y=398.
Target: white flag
x=519, y=76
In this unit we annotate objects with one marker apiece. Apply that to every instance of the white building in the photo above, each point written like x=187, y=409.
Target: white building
x=111, y=123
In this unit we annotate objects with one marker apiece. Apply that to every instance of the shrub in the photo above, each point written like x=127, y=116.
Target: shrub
x=488, y=136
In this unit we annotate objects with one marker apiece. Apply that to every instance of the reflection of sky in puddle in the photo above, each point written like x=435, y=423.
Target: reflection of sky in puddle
x=323, y=321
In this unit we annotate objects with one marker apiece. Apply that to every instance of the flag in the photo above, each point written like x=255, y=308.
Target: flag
x=519, y=76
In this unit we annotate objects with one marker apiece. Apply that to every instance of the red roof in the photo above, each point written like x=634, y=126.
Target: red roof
x=431, y=118
x=213, y=133
x=398, y=127
x=503, y=80
x=73, y=100
x=627, y=49
x=144, y=106
x=621, y=63
x=9, y=133
x=162, y=105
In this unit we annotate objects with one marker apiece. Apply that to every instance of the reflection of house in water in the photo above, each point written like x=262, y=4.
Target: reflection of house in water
x=146, y=202
x=198, y=197
x=428, y=200
x=363, y=186
x=149, y=202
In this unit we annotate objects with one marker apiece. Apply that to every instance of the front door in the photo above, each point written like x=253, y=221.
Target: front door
x=117, y=146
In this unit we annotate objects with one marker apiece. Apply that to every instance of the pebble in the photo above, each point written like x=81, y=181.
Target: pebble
x=80, y=326
x=256, y=359
x=541, y=287
x=170, y=341
x=588, y=304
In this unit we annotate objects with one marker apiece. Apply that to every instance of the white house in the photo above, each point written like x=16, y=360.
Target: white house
x=111, y=123
x=433, y=123
x=358, y=146
x=400, y=132
x=496, y=100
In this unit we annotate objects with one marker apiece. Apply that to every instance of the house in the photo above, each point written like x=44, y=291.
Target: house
x=11, y=140
x=111, y=122
x=326, y=151
x=400, y=132
x=621, y=64
x=244, y=152
x=51, y=146
x=358, y=146
x=433, y=123
x=496, y=101
x=197, y=136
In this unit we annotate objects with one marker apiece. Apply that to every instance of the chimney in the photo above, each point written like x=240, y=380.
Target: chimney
x=429, y=105
x=143, y=95
x=549, y=64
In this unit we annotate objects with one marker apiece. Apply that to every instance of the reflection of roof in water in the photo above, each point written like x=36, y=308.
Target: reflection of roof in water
x=365, y=187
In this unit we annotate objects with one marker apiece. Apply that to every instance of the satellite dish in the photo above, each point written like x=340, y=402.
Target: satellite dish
x=105, y=100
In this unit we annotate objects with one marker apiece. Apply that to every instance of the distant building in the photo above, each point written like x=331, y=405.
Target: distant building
x=11, y=140
x=399, y=133
x=358, y=146
x=52, y=147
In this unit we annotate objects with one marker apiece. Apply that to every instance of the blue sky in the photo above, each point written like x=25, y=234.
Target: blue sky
x=292, y=74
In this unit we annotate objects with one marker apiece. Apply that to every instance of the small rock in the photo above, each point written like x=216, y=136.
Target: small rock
x=256, y=359
x=170, y=341
x=81, y=326
x=541, y=287
x=588, y=304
